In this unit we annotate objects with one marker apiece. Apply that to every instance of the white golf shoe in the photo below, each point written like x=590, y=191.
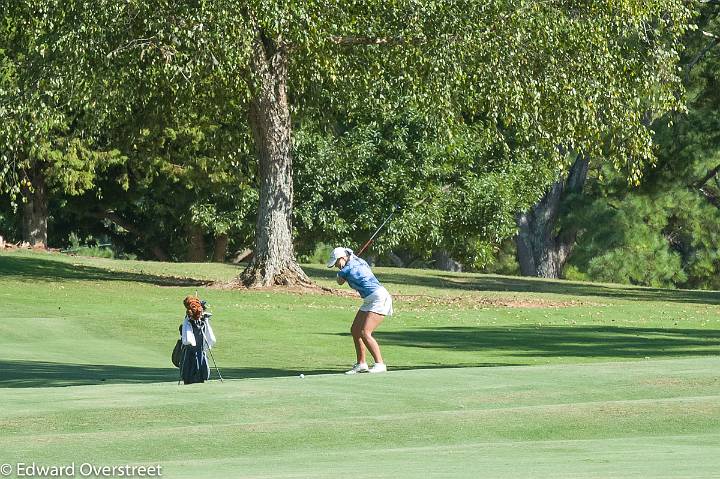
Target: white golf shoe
x=358, y=368
x=378, y=368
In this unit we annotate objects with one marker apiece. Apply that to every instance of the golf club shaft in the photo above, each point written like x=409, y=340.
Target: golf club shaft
x=372, y=238
x=369, y=242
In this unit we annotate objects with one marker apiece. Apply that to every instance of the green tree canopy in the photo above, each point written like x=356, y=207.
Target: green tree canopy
x=536, y=79
x=667, y=231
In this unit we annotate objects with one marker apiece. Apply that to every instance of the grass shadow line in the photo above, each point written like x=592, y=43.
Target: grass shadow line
x=49, y=269
x=39, y=374
x=554, y=341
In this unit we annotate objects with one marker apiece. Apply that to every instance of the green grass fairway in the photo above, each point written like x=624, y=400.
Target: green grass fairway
x=490, y=376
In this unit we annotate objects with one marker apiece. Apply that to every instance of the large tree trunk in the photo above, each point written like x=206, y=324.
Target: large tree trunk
x=444, y=262
x=396, y=260
x=35, y=210
x=274, y=260
x=196, y=244
x=221, y=247
x=542, y=250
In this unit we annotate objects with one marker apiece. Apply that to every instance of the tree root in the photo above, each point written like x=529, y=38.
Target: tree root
x=257, y=276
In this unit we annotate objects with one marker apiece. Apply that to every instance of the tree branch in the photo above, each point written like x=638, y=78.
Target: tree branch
x=135, y=43
x=389, y=41
x=715, y=42
x=712, y=198
x=115, y=218
x=710, y=174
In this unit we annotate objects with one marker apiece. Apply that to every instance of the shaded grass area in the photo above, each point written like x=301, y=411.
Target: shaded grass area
x=580, y=341
x=52, y=268
x=41, y=374
x=516, y=344
x=25, y=374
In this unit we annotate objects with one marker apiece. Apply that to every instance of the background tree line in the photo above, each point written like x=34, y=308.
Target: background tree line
x=188, y=131
x=664, y=231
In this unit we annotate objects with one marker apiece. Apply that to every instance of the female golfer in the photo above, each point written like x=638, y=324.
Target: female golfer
x=377, y=303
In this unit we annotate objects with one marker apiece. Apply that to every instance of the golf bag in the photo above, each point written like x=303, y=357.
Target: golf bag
x=194, y=366
x=196, y=339
x=176, y=356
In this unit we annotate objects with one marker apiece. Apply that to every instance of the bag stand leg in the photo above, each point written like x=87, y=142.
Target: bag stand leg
x=211, y=355
x=214, y=363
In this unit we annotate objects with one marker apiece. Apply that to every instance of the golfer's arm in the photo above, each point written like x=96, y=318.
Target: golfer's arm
x=340, y=280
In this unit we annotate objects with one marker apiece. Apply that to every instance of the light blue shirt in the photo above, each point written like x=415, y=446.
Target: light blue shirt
x=359, y=276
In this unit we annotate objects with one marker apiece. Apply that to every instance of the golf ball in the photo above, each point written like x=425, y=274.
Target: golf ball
x=302, y=376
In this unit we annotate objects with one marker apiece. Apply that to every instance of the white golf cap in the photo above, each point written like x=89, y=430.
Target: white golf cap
x=336, y=254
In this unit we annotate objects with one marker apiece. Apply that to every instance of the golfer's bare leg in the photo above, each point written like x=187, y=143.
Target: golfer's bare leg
x=356, y=331
x=372, y=321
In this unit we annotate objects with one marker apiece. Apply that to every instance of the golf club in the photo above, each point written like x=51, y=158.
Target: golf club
x=372, y=238
x=207, y=315
x=392, y=213
x=213, y=359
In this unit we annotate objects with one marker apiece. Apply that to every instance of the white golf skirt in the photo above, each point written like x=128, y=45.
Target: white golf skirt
x=379, y=302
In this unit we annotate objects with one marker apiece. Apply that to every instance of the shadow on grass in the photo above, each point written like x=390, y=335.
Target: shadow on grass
x=582, y=341
x=36, y=374
x=518, y=345
x=48, y=269
x=442, y=280
x=32, y=374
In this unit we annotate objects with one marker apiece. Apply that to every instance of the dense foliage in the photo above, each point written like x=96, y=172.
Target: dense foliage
x=457, y=113
x=667, y=231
